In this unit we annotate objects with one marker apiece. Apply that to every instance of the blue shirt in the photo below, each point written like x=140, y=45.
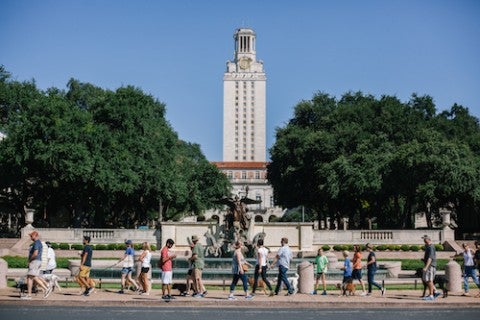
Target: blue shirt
x=88, y=260
x=348, y=269
x=37, y=245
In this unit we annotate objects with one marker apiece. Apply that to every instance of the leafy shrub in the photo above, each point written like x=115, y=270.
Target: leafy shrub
x=54, y=245
x=120, y=246
x=101, y=247
x=338, y=247
x=64, y=246
x=111, y=246
x=77, y=246
x=414, y=248
x=390, y=247
x=137, y=246
x=381, y=247
x=405, y=247
x=439, y=247
x=16, y=261
x=326, y=247
x=348, y=247
x=154, y=247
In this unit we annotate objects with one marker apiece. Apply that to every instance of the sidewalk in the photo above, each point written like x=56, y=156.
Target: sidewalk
x=218, y=298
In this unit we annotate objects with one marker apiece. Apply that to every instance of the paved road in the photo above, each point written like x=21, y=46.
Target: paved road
x=13, y=312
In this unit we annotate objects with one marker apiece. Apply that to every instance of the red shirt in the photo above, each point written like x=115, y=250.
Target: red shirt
x=167, y=266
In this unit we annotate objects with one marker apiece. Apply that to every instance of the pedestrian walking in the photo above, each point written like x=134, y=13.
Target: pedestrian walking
x=321, y=261
x=468, y=268
x=166, y=258
x=476, y=256
x=127, y=269
x=371, y=270
x=261, y=267
x=357, y=267
x=51, y=260
x=430, y=268
x=347, y=272
x=34, y=265
x=85, y=266
x=282, y=262
x=198, y=263
x=238, y=271
x=144, y=259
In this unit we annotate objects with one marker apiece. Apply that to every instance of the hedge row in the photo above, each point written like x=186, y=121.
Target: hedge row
x=110, y=246
x=382, y=247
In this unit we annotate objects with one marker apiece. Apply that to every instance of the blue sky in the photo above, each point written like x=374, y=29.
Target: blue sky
x=177, y=50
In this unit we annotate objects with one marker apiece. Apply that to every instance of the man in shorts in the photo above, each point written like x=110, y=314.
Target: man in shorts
x=198, y=263
x=34, y=264
x=167, y=269
x=85, y=266
x=127, y=269
x=430, y=268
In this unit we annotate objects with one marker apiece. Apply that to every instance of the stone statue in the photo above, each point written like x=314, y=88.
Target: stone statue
x=237, y=215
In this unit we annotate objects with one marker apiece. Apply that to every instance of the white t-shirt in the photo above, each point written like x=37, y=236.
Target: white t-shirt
x=263, y=253
x=51, y=262
x=146, y=259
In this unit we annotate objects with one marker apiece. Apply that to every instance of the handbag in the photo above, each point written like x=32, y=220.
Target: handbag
x=245, y=267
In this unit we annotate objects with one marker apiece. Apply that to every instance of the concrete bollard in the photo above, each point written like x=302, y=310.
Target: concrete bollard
x=305, y=277
x=3, y=273
x=453, y=273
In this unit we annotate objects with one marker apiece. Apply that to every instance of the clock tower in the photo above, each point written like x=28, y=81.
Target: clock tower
x=244, y=102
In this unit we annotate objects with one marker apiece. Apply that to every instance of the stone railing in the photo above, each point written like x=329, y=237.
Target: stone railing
x=301, y=236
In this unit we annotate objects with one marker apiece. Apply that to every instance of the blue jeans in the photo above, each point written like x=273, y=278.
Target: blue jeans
x=370, y=276
x=469, y=271
x=236, y=277
x=264, y=277
x=282, y=277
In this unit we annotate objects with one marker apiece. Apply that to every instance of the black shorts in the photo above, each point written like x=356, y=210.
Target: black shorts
x=357, y=274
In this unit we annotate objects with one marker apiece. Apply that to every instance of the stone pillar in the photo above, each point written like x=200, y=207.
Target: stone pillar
x=453, y=273
x=305, y=277
x=3, y=273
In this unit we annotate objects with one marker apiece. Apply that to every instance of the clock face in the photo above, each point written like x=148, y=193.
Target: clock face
x=244, y=63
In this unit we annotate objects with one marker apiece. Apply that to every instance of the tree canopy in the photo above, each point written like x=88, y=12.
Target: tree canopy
x=98, y=158
x=363, y=157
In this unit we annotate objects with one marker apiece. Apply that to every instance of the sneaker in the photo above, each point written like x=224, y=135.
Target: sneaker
x=290, y=293
x=429, y=298
x=271, y=294
x=231, y=298
x=204, y=293
x=249, y=297
x=363, y=294
x=313, y=292
x=324, y=293
x=198, y=295
x=47, y=293
x=184, y=294
x=436, y=294
x=27, y=297
x=145, y=293
x=383, y=291
x=90, y=290
x=165, y=297
x=171, y=297
x=368, y=294
x=121, y=291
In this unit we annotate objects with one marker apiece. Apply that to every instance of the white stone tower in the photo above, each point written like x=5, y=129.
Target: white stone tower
x=244, y=102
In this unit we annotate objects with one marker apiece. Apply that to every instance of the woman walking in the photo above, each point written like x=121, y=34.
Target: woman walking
x=145, y=259
x=238, y=273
